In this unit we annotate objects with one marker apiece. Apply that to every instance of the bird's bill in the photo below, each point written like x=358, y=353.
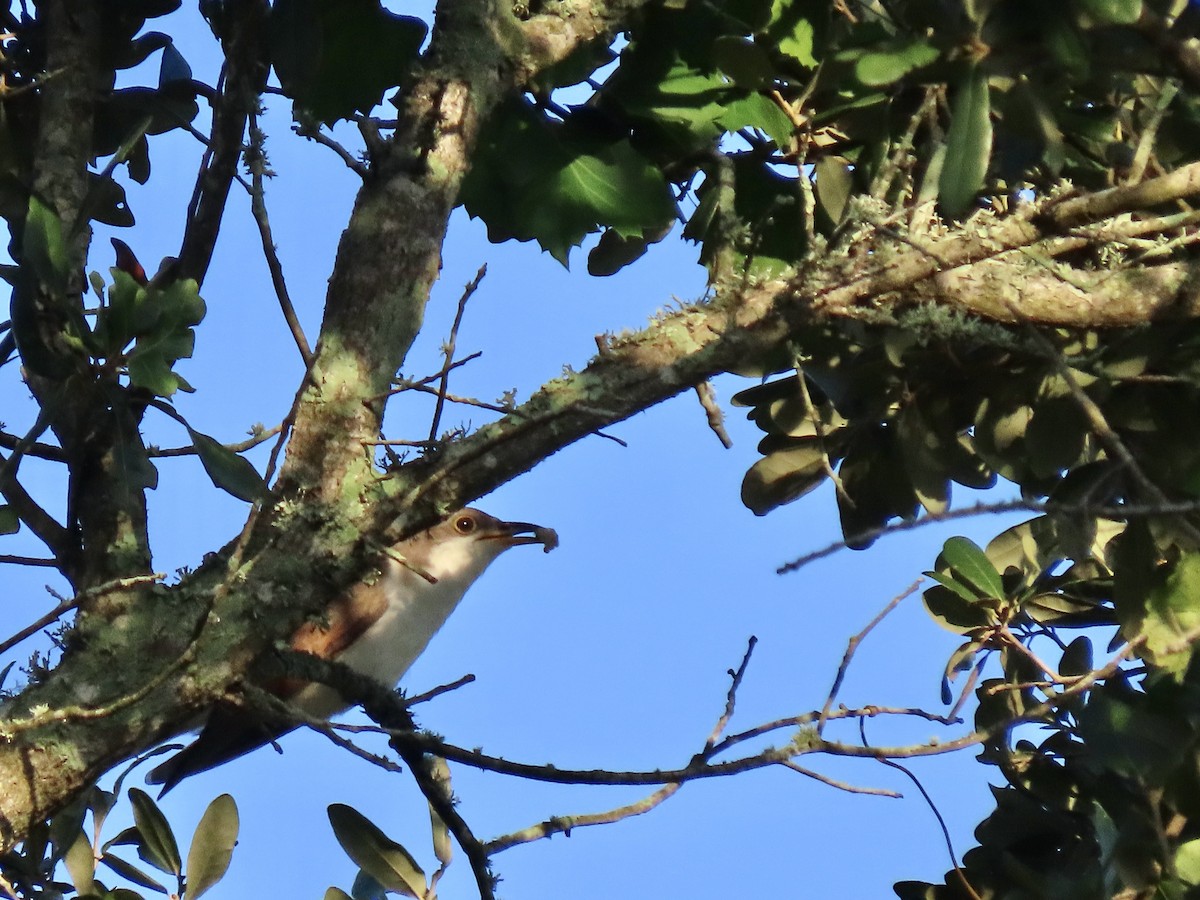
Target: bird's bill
x=516, y=533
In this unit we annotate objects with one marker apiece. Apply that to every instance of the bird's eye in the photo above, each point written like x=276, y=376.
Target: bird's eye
x=464, y=524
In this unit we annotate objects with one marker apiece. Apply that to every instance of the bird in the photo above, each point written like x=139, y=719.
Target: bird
x=377, y=629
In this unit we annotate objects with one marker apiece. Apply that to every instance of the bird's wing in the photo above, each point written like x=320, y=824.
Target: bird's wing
x=231, y=732
x=228, y=734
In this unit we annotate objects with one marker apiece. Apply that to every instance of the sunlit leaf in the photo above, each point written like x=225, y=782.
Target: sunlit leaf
x=157, y=844
x=377, y=854
x=968, y=144
x=212, y=846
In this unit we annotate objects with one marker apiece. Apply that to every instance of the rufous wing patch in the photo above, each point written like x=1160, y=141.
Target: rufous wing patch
x=345, y=621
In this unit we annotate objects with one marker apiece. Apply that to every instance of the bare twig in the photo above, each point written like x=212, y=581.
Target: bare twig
x=564, y=824
x=314, y=133
x=406, y=384
x=1117, y=512
x=9, y=559
x=242, y=78
x=426, y=696
x=852, y=647
x=67, y=604
x=237, y=447
x=840, y=785
x=258, y=207
x=470, y=289
x=962, y=876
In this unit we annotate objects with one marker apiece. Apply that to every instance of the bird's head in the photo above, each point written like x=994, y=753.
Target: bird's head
x=461, y=547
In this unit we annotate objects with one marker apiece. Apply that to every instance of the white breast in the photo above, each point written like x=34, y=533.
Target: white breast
x=415, y=611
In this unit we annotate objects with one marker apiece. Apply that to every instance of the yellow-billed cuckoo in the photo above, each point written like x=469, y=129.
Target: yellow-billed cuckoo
x=377, y=629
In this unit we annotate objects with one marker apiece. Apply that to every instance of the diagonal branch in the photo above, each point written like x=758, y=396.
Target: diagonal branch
x=243, y=78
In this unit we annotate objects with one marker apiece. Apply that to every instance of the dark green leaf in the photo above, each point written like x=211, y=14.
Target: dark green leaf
x=43, y=249
x=157, y=845
x=131, y=461
x=1172, y=612
x=953, y=612
x=968, y=144
x=783, y=476
x=334, y=893
x=10, y=523
x=338, y=59
x=833, y=187
x=367, y=888
x=743, y=61
x=877, y=68
x=173, y=68
x=130, y=872
x=377, y=854
x=971, y=564
x=1114, y=12
x=212, y=846
x=228, y=471
x=1077, y=658
x=613, y=253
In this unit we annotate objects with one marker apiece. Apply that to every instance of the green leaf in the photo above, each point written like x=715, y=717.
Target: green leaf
x=377, y=854
x=1113, y=12
x=443, y=850
x=533, y=181
x=743, y=61
x=212, y=846
x=1187, y=861
x=955, y=612
x=10, y=522
x=1077, y=658
x=367, y=888
x=43, y=248
x=130, y=458
x=877, y=68
x=783, y=476
x=335, y=59
x=81, y=864
x=612, y=253
x=228, y=471
x=130, y=872
x=758, y=111
x=1173, y=611
x=968, y=144
x=834, y=184
x=334, y=893
x=163, y=320
x=157, y=845
x=791, y=32
x=971, y=564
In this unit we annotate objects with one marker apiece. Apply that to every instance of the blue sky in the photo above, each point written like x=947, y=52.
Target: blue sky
x=610, y=652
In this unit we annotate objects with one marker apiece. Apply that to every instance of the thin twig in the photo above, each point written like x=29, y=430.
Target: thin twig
x=258, y=207
x=426, y=696
x=315, y=134
x=9, y=559
x=565, y=824
x=405, y=384
x=840, y=785
x=962, y=876
x=237, y=447
x=852, y=647
x=1116, y=512
x=470, y=289
x=67, y=604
